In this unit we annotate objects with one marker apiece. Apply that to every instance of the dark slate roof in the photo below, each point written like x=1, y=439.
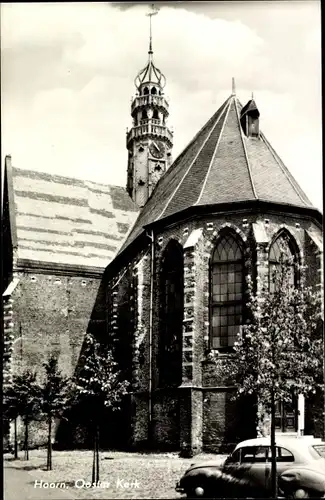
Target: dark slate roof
x=221, y=165
x=67, y=221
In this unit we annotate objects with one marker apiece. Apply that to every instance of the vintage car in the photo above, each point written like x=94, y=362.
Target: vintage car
x=246, y=473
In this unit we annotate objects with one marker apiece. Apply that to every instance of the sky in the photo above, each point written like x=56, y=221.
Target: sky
x=68, y=69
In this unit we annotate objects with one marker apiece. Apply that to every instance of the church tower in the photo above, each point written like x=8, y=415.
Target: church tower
x=149, y=142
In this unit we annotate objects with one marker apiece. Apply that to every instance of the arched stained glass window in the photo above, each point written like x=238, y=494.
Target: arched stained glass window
x=281, y=252
x=171, y=317
x=227, y=278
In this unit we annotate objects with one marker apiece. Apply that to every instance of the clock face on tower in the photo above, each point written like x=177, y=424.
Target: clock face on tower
x=157, y=149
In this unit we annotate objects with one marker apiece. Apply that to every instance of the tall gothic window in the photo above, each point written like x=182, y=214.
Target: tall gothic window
x=226, y=297
x=126, y=323
x=284, y=252
x=171, y=317
x=281, y=251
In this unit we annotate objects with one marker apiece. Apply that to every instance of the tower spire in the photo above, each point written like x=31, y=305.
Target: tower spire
x=233, y=86
x=153, y=12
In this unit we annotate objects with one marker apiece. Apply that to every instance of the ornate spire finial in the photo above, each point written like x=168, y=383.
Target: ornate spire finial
x=150, y=73
x=233, y=86
x=154, y=11
x=252, y=95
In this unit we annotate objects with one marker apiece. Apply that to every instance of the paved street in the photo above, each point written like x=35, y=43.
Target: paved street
x=123, y=475
x=19, y=485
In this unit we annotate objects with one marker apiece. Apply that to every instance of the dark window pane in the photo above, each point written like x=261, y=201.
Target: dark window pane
x=215, y=319
x=216, y=342
x=284, y=455
x=223, y=342
x=231, y=321
x=223, y=331
x=215, y=279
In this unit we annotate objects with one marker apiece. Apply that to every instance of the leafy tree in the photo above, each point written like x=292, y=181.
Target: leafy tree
x=11, y=411
x=27, y=392
x=278, y=353
x=56, y=397
x=99, y=382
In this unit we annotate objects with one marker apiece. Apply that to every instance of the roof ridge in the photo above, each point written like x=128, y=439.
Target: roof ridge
x=194, y=159
x=303, y=197
x=246, y=155
x=214, y=153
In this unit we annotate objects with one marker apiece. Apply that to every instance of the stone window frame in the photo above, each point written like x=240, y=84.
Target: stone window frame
x=292, y=245
x=237, y=235
x=162, y=381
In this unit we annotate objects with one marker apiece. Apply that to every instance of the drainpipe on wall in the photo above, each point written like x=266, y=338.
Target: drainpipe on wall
x=151, y=236
x=323, y=366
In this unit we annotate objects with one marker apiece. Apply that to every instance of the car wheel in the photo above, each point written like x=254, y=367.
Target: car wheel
x=196, y=492
x=300, y=493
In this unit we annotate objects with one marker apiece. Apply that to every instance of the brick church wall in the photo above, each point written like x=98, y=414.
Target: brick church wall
x=50, y=315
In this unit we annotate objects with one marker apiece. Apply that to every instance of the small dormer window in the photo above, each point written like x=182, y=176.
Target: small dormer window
x=153, y=91
x=253, y=126
x=249, y=119
x=145, y=91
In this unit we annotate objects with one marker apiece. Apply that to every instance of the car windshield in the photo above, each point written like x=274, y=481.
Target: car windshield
x=320, y=450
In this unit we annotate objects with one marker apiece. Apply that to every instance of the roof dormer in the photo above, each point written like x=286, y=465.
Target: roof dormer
x=249, y=119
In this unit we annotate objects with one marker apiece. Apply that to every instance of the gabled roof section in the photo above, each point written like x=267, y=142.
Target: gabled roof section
x=68, y=221
x=221, y=165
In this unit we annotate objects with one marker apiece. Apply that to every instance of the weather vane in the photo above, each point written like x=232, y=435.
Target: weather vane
x=154, y=11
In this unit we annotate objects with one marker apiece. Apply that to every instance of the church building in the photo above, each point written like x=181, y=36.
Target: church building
x=161, y=266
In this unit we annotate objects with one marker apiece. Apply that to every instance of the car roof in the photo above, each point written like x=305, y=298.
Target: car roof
x=292, y=443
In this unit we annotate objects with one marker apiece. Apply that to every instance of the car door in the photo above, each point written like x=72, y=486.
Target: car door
x=284, y=460
x=253, y=465
x=232, y=463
